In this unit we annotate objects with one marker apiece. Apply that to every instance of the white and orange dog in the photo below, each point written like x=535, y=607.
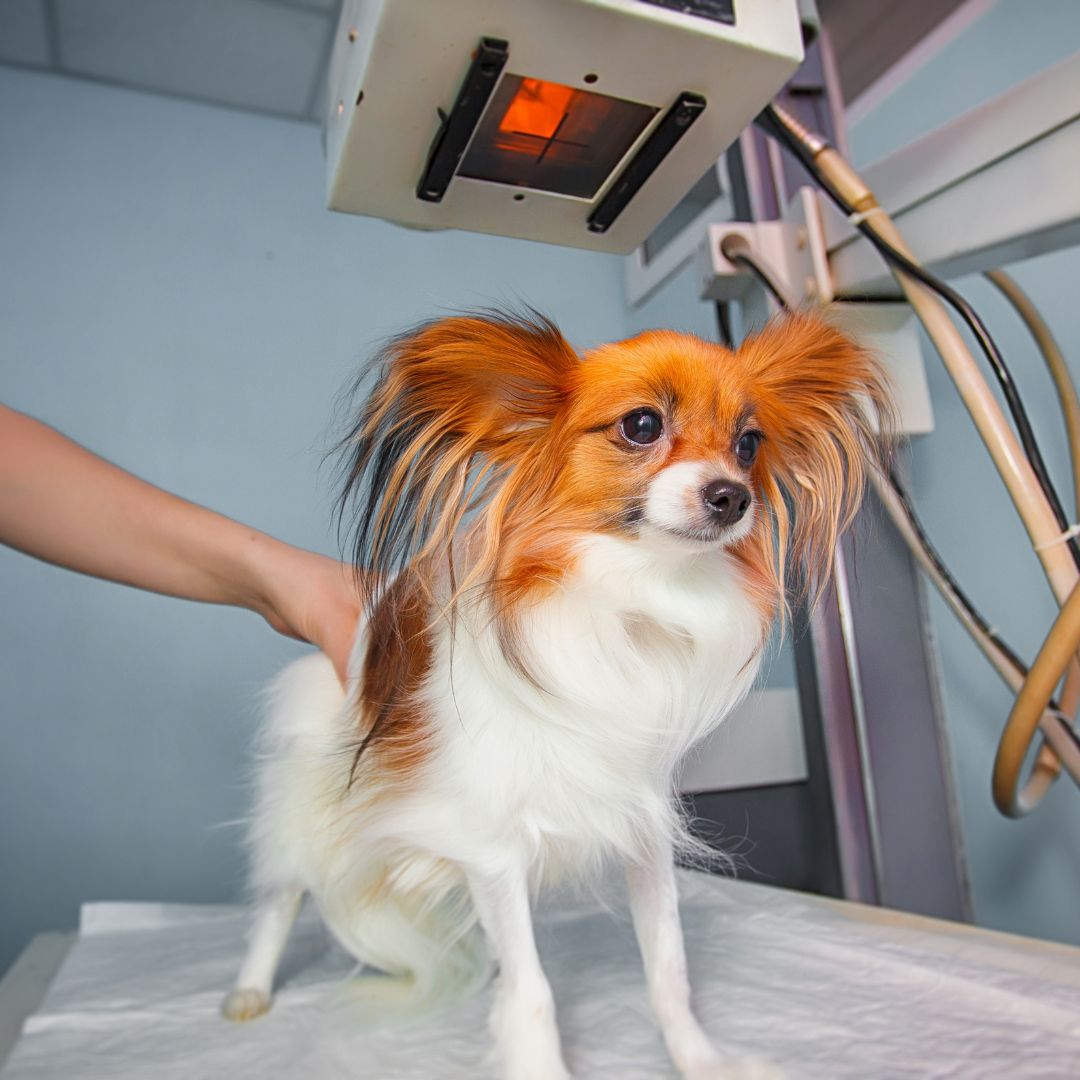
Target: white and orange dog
x=577, y=562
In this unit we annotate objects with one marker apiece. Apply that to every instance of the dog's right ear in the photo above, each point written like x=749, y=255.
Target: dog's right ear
x=827, y=410
x=459, y=402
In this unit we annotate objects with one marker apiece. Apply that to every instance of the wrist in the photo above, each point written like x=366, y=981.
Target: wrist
x=258, y=556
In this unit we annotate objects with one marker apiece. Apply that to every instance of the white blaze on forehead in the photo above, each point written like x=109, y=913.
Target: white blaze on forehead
x=674, y=494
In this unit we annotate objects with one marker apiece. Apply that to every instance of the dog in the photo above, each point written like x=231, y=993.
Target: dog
x=571, y=564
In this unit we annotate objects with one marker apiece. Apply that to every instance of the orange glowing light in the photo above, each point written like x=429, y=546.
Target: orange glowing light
x=537, y=108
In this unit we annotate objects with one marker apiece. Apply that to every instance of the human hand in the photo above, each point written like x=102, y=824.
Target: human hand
x=308, y=597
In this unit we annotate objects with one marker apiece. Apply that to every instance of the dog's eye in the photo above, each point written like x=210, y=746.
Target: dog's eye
x=747, y=447
x=642, y=426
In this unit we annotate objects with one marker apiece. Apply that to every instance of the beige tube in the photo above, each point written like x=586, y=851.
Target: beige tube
x=1054, y=360
x=1057, y=747
x=1057, y=653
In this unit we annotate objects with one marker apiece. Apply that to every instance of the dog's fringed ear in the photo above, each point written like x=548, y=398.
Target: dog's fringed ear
x=826, y=407
x=458, y=403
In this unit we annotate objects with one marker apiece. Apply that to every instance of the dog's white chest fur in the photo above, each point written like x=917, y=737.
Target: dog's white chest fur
x=637, y=656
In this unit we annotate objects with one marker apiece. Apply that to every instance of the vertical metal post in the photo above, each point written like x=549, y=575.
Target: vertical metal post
x=830, y=699
x=881, y=787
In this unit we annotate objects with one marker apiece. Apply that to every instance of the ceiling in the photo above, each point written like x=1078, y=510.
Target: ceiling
x=267, y=56
x=869, y=36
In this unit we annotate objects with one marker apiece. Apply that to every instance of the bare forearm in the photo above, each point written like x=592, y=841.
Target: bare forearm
x=67, y=506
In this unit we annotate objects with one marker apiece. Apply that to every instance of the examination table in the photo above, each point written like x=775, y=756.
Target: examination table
x=822, y=988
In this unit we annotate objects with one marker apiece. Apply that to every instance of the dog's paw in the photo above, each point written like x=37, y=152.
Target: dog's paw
x=748, y=1068
x=243, y=1004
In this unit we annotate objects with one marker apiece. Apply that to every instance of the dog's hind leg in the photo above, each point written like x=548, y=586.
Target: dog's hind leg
x=250, y=997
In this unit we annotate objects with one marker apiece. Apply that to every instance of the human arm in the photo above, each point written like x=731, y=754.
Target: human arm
x=63, y=504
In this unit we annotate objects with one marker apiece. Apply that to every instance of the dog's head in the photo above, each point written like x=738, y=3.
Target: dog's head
x=666, y=439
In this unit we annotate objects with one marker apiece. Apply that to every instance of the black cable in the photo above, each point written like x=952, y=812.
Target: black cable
x=738, y=251
x=723, y=324
x=962, y=598
x=759, y=271
x=1068, y=729
x=772, y=125
x=866, y=298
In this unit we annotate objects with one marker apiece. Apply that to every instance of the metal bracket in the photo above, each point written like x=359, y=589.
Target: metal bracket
x=783, y=247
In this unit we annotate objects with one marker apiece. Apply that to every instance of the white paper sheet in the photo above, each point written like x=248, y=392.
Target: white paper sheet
x=823, y=990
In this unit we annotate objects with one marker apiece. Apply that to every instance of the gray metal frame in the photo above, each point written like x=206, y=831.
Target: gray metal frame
x=876, y=743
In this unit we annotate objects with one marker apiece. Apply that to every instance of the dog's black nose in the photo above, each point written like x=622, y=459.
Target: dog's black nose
x=727, y=501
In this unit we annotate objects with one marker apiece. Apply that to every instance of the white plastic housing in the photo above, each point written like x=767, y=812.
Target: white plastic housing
x=395, y=63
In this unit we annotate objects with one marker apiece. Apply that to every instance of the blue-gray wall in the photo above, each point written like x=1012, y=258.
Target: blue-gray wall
x=1025, y=874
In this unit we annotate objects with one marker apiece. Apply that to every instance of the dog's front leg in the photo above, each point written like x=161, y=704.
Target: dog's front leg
x=523, y=1016
x=276, y=913
x=654, y=903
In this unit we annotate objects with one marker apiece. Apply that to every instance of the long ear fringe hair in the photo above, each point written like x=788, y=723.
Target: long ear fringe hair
x=457, y=421
x=828, y=406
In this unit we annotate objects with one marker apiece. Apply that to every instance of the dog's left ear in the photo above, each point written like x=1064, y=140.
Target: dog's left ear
x=826, y=408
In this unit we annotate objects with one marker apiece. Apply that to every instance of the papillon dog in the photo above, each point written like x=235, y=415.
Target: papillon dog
x=572, y=564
